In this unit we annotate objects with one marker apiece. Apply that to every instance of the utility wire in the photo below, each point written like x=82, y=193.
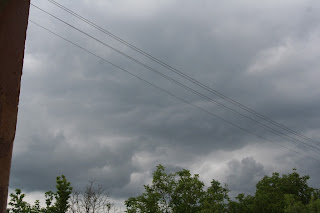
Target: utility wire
x=274, y=131
x=224, y=97
x=171, y=94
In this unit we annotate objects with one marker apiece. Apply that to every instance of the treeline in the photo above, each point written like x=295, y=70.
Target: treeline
x=182, y=192
x=92, y=199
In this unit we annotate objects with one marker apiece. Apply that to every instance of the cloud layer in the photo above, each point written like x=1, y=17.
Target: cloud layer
x=81, y=117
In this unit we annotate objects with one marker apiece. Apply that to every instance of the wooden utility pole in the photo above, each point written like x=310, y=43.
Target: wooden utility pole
x=13, y=26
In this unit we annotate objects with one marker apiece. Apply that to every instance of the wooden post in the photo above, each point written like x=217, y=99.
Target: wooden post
x=13, y=26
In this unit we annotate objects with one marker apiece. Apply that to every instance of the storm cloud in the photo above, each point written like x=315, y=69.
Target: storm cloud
x=81, y=117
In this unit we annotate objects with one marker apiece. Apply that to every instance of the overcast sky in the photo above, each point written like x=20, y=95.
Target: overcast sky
x=81, y=117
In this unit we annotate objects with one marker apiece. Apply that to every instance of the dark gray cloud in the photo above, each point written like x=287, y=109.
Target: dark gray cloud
x=242, y=176
x=84, y=118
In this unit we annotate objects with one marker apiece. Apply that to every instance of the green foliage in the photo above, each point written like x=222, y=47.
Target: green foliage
x=271, y=191
x=36, y=208
x=182, y=192
x=243, y=204
x=187, y=192
x=216, y=198
x=173, y=192
x=293, y=205
x=314, y=205
x=179, y=192
x=49, y=200
x=17, y=203
x=20, y=206
x=60, y=197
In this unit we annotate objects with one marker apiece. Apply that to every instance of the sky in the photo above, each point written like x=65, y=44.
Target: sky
x=81, y=117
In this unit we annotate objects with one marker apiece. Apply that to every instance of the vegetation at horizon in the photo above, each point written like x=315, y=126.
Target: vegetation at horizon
x=181, y=192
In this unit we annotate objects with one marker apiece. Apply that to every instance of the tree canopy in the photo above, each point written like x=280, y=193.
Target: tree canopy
x=182, y=192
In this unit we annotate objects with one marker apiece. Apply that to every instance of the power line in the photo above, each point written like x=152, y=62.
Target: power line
x=171, y=94
x=182, y=74
x=274, y=131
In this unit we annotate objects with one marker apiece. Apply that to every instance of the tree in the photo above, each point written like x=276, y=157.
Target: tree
x=216, y=198
x=92, y=200
x=271, y=191
x=157, y=198
x=36, y=208
x=178, y=192
x=17, y=203
x=314, y=205
x=181, y=192
x=61, y=197
x=187, y=192
x=293, y=205
x=243, y=204
x=20, y=206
